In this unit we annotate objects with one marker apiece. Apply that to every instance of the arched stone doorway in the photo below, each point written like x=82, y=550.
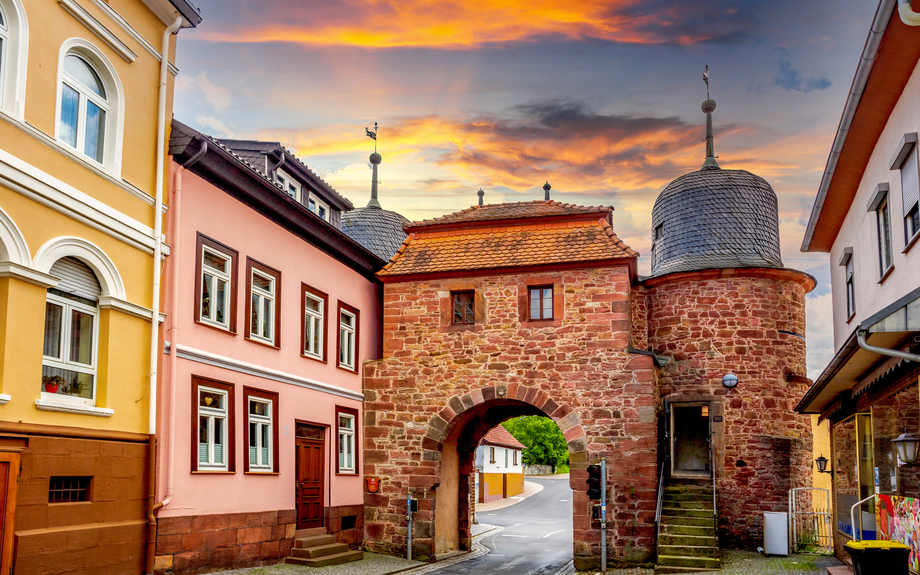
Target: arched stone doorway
x=455, y=446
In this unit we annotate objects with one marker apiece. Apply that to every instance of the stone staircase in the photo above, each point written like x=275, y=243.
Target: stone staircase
x=316, y=548
x=687, y=541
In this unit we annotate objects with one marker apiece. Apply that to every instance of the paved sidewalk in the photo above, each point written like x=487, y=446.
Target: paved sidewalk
x=530, y=488
x=749, y=563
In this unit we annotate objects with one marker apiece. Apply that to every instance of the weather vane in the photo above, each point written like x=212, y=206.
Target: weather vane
x=372, y=135
x=706, y=79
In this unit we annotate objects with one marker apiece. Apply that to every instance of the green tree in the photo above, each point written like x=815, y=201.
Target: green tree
x=543, y=438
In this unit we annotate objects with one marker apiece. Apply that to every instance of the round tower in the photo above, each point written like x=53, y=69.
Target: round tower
x=722, y=306
x=377, y=229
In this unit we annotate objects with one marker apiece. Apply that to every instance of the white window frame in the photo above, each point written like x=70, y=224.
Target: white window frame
x=347, y=335
x=257, y=297
x=84, y=96
x=225, y=276
x=346, y=438
x=287, y=182
x=850, y=289
x=4, y=51
x=255, y=440
x=13, y=63
x=62, y=361
x=314, y=203
x=313, y=322
x=883, y=221
x=212, y=414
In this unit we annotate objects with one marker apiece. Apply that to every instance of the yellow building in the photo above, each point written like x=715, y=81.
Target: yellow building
x=85, y=97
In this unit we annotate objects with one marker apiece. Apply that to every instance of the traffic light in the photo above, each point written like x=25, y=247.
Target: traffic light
x=594, y=482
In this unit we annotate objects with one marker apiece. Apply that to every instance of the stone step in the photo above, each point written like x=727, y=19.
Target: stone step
x=683, y=504
x=707, y=521
x=688, y=551
x=689, y=561
x=683, y=496
x=680, y=512
x=319, y=550
x=314, y=540
x=839, y=570
x=668, y=569
x=687, y=540
x=309, y=532
x=336, y=559
x=693, y=530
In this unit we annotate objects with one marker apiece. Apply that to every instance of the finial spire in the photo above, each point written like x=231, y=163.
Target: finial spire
x=480, y=193
x=709, y=106
x=546, y=188
x=375, y=161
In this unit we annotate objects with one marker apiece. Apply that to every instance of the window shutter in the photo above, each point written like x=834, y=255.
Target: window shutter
x=77, y=278
x=910, y=181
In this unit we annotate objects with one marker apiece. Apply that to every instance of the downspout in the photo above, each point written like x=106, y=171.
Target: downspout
x=175, y=209
x=155, y=304
x=861, y=339
x=272, y=169
x=908, y=16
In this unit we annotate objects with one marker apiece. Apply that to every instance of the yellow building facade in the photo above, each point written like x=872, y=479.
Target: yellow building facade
x=83, y=105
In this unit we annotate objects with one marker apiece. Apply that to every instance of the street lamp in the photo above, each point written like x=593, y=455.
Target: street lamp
x=821, y=462
x=729, y=380
x=907, y=445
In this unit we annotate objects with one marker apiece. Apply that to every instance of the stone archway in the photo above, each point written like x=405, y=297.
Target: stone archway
x=452, y=437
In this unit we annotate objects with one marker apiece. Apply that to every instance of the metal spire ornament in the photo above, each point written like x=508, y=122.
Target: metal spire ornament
x=375, y=160
x=372, y=135
x=709, y=106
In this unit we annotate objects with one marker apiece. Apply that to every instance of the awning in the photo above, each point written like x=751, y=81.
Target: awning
x=853, y=369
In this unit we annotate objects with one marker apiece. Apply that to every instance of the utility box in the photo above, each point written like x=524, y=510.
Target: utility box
x=775, y=533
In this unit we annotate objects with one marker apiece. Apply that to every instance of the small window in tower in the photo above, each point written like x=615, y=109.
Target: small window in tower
x=659, y=231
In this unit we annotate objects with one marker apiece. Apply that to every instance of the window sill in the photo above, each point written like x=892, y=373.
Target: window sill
x=261, y=473
x=852, y=315
x=66, y=407
x=911, y=243
x=4, y=399
x=886, y=274
x=314, y=358
x=262, y=342
x=348, y=369
x=346, y=473
x=538, y=323
x=213, y=472
x=218, y=327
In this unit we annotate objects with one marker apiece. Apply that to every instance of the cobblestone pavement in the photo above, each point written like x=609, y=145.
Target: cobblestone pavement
x=372, y=564
x=749, y=563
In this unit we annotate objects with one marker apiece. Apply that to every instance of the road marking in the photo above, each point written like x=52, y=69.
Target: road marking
x=553, y=533
x=565, y=500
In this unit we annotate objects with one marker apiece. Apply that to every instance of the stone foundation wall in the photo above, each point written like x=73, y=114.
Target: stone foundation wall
x=346, y=522
x=750, y=323
x=443, y=383
x=202, y=543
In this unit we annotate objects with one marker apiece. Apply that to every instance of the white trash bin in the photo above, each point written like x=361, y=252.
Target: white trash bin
x=775, y=533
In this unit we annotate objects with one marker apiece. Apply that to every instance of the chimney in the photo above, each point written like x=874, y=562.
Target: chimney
x=480, y=193
x=546, y=188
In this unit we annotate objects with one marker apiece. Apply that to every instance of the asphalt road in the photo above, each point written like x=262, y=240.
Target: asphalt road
x=537, y=535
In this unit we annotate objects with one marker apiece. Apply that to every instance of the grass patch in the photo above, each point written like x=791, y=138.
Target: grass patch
x=562, y=469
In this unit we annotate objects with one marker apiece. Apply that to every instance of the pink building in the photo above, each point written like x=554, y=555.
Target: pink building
x=270, y=311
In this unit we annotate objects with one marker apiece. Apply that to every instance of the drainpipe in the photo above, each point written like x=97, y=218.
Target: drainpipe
x=861, y=339
x=272, y=169
x=155, y=315
x=908, y=16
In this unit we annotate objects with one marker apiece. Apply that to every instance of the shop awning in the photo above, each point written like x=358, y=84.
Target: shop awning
x=853, y=369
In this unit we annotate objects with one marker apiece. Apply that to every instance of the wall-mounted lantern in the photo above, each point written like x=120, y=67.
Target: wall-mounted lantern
x=821, y=462
x=373, y=484
x=729, y=380
x=907, y=446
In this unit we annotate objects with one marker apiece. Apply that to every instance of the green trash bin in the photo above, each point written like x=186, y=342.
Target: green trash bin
x=879, y=557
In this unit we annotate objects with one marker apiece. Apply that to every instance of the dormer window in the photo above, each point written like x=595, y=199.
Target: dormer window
x=288, y=183
x=318, y=207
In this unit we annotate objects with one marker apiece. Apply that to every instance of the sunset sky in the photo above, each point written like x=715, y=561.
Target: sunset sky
x=600, y=98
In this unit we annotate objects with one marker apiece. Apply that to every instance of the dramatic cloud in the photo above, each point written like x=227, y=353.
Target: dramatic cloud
x=789, y=78
x=467, y=24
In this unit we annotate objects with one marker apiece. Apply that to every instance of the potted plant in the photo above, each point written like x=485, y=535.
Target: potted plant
x=52, y=383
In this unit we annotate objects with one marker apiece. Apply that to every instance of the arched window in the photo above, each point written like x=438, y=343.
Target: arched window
x=13, y=49
x=84, y=108
x=71, y=333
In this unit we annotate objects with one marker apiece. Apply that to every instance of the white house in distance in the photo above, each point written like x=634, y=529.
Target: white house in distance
x=498, y=461
x=867, y=218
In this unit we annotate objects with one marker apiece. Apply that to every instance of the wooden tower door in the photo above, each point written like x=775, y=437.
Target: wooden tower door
x=9, y=480
x=310, y=456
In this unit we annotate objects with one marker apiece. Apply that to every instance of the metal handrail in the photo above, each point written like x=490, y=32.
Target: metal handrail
x=712, y=466
x=853, y=517
x=660, y=505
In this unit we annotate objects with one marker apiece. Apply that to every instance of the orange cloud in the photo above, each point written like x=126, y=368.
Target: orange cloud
x=460, y=24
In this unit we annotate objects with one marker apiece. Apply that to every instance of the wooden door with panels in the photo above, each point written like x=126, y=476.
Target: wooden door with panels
x=9, y=482
x=310, y=463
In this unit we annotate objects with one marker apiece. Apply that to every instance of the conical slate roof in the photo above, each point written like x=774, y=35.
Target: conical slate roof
x=378, y=230
x=715, y=218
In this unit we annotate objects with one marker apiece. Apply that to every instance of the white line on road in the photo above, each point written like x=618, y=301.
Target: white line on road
x=564, y=500
x=548, y=534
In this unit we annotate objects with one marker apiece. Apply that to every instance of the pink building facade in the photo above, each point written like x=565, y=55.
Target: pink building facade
x=270, y=312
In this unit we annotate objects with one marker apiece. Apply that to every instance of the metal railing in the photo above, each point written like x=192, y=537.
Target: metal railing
x=659, y=506
x=712, y=468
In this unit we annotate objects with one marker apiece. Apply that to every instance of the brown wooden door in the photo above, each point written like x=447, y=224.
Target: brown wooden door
x=309, y=488
x=9, y=479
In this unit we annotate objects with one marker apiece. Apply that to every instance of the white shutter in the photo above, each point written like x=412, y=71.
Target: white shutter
x=77, y=278
x=910, y=181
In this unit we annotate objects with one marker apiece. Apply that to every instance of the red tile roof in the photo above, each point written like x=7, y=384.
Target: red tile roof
x=500, y=436
x=510, y=211
x=522, y=243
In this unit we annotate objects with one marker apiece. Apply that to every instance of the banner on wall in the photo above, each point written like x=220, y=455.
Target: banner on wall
x=898, y=519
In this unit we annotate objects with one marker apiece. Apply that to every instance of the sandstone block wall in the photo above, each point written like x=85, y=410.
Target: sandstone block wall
x=750, y=323
x=440, y=382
